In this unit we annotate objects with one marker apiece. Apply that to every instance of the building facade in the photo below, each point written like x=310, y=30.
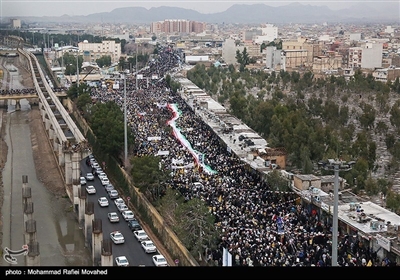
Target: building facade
x=97, y=50
x=177, y=26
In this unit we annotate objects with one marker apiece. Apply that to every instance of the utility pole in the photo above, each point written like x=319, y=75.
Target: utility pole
x=77, y=72
x=125, y=128
x=336, y=165
x=136, y=66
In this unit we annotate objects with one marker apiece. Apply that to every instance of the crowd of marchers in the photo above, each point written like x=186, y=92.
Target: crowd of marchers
x=259, y=226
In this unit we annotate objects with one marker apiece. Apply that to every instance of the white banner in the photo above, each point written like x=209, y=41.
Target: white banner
x=153, y=138
x=115, y=86
x=154, y=77
x=189, y=165
x=176, y=161
x=140, y=76
x=162, y=153
x=383, y=242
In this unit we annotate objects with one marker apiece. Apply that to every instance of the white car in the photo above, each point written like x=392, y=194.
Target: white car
x=122, y=207
x=141, y=235
x=102, y=175
x=90, y=189
x=113, y=194
x=113, y=217
x=121, y=261
x=83, y=180
x=148, y=246
x=128, y=215
x=89, y=177
x=117, y=237
x=119, y=201
x=105, y=181
x=159, y=260
x=103, y=201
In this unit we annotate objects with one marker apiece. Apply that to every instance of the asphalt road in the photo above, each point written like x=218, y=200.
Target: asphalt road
x=132, y=248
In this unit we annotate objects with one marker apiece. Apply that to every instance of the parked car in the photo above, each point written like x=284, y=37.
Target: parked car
x=141, y=235
x=83, y=181
x=97, y=170
x=105, y=181
x=101, y=175
x=103, y=201
x=148, y=246
x=119, y=201
x=134, y=225
x=122, y=207
x=113, y=217
x=121, y=261
x=117, y=237
x=109, y=187
x=89, y=177
x=128, y=215
x=113, y=194
x=90, y=189
x=159, y=260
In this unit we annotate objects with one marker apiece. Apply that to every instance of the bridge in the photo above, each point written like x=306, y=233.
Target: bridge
x=68, y=142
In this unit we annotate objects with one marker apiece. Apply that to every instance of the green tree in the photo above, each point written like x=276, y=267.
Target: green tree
x=243, y=59
x=107, y=123
x=277, y=181
x=393, y=201
x=196, y=227
x=395, y=115
x=104, y=60
x=149, y=175
x=83, y=100
x=371, y=186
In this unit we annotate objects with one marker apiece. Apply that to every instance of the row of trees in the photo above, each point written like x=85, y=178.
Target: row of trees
x=333, y=121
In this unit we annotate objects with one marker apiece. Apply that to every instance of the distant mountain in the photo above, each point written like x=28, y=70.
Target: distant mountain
x=242, y=14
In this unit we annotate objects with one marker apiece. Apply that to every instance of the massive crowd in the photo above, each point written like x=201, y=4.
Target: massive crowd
x=260, y=226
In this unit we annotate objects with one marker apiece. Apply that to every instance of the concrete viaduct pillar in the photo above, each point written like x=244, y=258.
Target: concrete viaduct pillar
x=106, y=253
x=33, y=256
x=89, y=218
x=76, y=172
x=97, y=239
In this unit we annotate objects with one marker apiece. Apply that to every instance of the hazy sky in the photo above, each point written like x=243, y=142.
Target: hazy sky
x=15, y=8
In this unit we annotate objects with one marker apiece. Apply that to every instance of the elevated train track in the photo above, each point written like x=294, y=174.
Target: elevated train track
x=68, y=143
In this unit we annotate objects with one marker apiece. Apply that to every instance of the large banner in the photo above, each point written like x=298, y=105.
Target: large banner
x=383, y=242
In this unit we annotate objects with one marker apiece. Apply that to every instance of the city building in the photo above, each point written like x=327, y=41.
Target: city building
x=367, y=56
x=15, y=23
x=96, y=50
x=269, y=33
x=177, y=26
x=229, y=48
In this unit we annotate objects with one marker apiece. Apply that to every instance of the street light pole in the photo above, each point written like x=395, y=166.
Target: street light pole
x=136, y=66
x=335, y=228
x=125, y=127
x=77, y=71
x=336, y=165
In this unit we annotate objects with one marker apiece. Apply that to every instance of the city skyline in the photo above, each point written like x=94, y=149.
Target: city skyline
x=40, y=8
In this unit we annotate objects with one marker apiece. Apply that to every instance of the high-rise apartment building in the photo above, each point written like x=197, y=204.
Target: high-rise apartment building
x=177, y=26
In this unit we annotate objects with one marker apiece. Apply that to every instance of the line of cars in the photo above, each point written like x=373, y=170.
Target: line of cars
x=127, y=215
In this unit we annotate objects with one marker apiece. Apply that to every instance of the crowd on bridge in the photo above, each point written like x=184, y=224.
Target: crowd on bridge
x=259, y=225
x=25, y=91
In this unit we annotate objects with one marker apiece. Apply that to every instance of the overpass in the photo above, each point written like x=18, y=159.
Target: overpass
x=68, y=143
